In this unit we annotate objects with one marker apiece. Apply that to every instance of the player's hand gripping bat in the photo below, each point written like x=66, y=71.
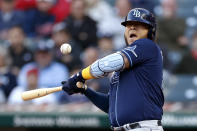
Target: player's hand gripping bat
x=32, y=94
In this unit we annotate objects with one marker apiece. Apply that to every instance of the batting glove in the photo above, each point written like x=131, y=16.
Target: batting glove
x=70, y=86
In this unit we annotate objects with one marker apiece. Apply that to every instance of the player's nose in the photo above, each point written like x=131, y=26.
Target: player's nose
x=132, y=27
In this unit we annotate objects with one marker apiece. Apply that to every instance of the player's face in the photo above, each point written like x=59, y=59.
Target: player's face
x=135, y=31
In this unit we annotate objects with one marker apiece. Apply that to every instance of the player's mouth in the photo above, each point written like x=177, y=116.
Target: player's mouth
x=132, y=37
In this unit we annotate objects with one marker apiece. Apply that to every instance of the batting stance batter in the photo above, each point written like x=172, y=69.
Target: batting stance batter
x=135, y=97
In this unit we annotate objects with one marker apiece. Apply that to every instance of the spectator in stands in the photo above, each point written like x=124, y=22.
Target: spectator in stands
x=122, y=7
x=147, y=4
x=50, y=71
x=90, y=55
x=32, y=83
x=19, y=53
x=9, y=17
x=188, y=64
x=110, y=22
x=171, y=31
x=60, y=8
x=61, y=35
x=25, y=4
x=40, y=22
x=82, y=28
x=96, y=9
x=7, y=79
x=105, y=44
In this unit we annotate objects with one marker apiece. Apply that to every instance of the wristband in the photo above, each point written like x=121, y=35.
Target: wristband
x=86, y=73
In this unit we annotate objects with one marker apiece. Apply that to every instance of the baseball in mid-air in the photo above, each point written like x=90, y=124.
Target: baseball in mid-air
x=65, y=48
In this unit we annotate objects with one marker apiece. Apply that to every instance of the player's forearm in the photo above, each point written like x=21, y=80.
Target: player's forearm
x=101, y=100
x=103, y=66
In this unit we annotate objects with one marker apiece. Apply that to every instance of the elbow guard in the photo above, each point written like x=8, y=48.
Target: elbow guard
x=110, y=63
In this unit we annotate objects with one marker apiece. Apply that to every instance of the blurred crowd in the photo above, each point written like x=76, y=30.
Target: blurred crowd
x=32, y=31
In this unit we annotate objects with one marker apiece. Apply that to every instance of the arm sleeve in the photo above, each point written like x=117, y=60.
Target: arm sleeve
x=101, y=100
x=140, y=51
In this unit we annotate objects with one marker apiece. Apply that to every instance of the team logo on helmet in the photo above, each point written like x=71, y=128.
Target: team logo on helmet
x=136, y=13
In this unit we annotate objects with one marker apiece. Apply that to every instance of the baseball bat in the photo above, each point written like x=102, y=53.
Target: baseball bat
x=32, y=94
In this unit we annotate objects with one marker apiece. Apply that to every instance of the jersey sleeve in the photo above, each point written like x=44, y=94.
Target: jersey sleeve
x=101, y=100
x=140, y=51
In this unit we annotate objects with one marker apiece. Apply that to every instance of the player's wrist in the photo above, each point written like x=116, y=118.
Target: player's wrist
x=79, y=77
x=86, y=74
x=83, y=89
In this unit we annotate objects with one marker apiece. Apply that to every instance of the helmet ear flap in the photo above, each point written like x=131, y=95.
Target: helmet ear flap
x=152, y=33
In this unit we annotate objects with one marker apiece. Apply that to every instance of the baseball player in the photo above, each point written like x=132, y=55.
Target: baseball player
x=135, y=97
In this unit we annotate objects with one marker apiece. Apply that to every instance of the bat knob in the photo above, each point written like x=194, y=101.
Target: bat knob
x=79, y=84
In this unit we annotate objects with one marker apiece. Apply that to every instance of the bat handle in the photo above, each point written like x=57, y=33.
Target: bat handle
x=81, y=85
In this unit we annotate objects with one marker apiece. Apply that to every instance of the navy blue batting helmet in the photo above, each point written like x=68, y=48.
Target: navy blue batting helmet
x=143, y=16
